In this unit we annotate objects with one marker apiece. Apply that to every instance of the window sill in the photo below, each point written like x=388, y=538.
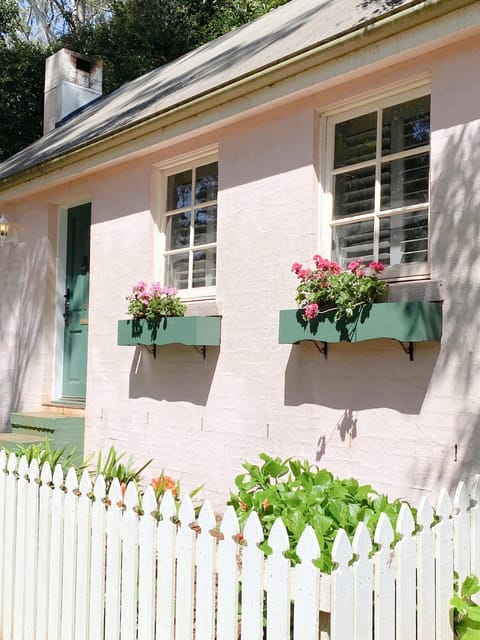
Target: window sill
x=192, y=331
x=405, y=321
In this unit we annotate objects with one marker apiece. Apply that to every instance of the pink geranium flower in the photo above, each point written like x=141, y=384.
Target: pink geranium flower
x=311, y=311
x=376, y=266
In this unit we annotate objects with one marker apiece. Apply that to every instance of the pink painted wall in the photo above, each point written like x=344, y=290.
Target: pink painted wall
x=367, y=410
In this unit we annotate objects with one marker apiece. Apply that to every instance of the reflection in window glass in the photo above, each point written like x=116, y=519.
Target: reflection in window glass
x=177, y=270
x=355, y=140
x=404, y=238
x=406, y=125
x=353, y=241
x=354, y=192
x=178, y=230
x=204, y=268
x=205, y=227
x=179, y=190
x=206, y=183
x=405, y=182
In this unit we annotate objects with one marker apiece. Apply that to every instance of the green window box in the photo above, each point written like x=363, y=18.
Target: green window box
x=193, y=331
x=404, y=321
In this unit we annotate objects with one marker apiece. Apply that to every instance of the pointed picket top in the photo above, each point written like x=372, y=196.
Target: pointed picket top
x=405, y=523
x=85, y=485
x=23, y=467
x=46, y=474
x=12, y=463
x=444, y=505
x=342, y=549
x=149, y=502
x=168, y=508
x=461, y=500
x=115, y=492
x=58, y=476
x=278, y=537
x=229, y=525
x=99, y=488
x=186, y=513
x=206, y=517
x=253, y=530
x=362, y=542
x=474, y=492
x=33, y=470
x=308, y=548
x=3, y=459
x=384, y=532
x=71, y=481
x=130, y=497
x=425, y=513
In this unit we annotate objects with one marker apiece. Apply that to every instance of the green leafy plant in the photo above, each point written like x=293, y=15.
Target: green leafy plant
x=112, y=467
x=328, y=287
x=466, y=612
x=43, y=452
x=301, y=494
x=153, y=302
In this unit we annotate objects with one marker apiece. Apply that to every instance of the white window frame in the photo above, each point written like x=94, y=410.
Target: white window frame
x=163, y=171
x=331, y=118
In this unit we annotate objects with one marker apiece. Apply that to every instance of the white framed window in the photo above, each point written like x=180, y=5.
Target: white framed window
x=189, y=208
x=377, y=183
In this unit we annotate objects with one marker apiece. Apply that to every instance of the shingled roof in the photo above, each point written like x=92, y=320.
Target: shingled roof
x=279, y=35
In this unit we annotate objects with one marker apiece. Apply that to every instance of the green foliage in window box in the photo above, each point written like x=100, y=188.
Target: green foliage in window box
x=154, y=301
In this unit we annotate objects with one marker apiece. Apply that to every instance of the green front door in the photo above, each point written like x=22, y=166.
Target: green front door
x=76, y=303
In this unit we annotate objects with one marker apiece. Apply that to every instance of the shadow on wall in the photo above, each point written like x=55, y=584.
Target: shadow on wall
x=455, y=254
x=177, y=374
x=22, y=312
x=367, y=375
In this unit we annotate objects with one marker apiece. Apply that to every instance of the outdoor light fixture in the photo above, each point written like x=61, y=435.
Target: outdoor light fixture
x=7, y=232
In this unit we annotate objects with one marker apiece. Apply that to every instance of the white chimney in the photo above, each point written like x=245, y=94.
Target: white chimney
x=71, y=81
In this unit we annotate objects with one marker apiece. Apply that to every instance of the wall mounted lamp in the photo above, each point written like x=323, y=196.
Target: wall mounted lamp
x=7, y=232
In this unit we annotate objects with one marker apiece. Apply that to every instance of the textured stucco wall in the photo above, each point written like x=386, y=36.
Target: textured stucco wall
x=367, y=410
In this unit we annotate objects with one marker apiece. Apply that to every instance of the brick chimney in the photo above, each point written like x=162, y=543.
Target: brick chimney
x=71, y=81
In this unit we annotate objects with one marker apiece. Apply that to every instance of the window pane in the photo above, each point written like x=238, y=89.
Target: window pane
x=206, y=183
x=405, y=182
x=205, y=226
x=204, y=267
x=355, y=140
x=406, y=125
x=354, y=192
x=179, y=190
x=177, y=270
x=178, y=230
x=404, y=238
x=352, y=241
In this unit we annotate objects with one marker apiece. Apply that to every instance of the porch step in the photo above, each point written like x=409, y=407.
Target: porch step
x=62, y=430
x=10, y=441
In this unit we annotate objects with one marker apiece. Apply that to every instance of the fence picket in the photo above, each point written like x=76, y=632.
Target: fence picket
x=3, y=476
x=20, y=550
x=443, y=567
x=185, y=555
x=31, y=550
x=474, y=531
x=97, y=561
x=425, y=571
x=113, y=562
x=253, y=566
x=405, y=567
x=129, y=571
x=9, y=549
x=384, y=581
x=342, y=588
x=82, y=586
x=205, y=587
x=227, y=604
x=69, y=560
x=146, y=566
x=461, y=531
x=44, y=528
x=362, y=584
x=278, y=584
x=56, y=537
x=307, y=588
x=166, y=537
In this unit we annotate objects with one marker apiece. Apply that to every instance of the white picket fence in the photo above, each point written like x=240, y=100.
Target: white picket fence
x=76, y=564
